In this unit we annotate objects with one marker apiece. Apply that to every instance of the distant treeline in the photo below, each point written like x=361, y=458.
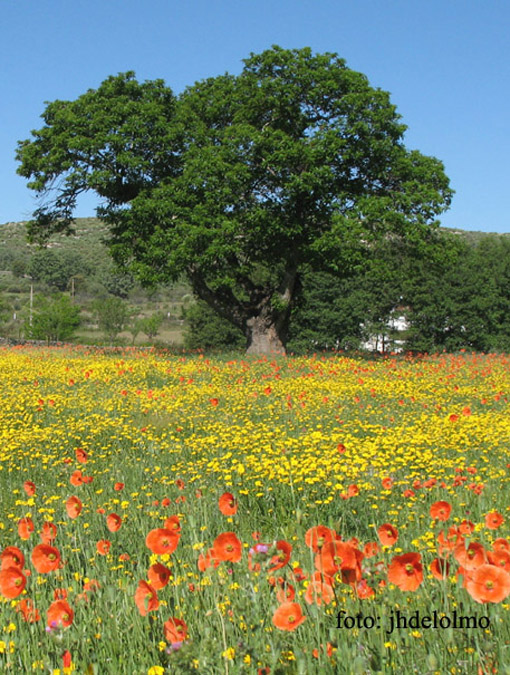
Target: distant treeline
x=459, y=299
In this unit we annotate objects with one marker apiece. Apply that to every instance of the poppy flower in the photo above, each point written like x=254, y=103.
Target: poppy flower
x=91, y=585
x=73, y=507
x=25, y=528
x=493, y=520
x=29, y=488
x=450, y=541
x=363, y=590
x=118, y=487
x=466, y=527
x=286, y=593
x=158, y=575
x=471, y=557
x=387, y=534
x=430, y=483
x=165, y=502
x=180, y=484
x=500, y=559
x=282, y=557
x=81, y=456
x=76, y=478
x=319, y=535
x=440, y=510
x=501, y=544
x=371, y=549
x=12, y=556
x=227, y=504
x=60, y=594
x=48, y=532
x=288, y=616
x=27, y=610
x=353, y=490
x=146, y=598
x=406, y=571
x=335, y=555
x=387, y=483
x=113, y=522
x=488, y=583
x=59, y=614
x=319, y=592
x=45, y=558
x=103, y=546
x=12, y=582
x=206, y=560
x=162, y=541
x=227, y=547
x=173, y=524
x=440, y=568
x=175, y=630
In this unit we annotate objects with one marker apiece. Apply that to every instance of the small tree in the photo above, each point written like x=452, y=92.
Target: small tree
x=149, y=325
x=54, y=318
x=112, y=316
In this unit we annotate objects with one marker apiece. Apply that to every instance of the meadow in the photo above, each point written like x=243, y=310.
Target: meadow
x=328, y=514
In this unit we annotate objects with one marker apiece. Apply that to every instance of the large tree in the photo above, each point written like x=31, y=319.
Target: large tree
x=240, y=182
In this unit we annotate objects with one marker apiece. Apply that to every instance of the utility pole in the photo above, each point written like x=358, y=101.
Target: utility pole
x=31, y=304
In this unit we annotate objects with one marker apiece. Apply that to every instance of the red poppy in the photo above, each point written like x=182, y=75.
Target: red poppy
x=25, y=527
x=206, y=560
x=213, y=401
x=363, y=590
x=180, y=484
x=118, y=486
x=449, y=542
x=388, y=534
x=493, y=520
x=103, y=546
x=227, y=504
x=162, y=541
x=501, y=544
x=27, y=610
x=500, y=559
x=335, y=556
x=471, y=557
x=146, y=598
x=488, y=583
x=73, y=507
x=440, y=510
x=48, y=532
x=319, y=535
x=12, y=556
x=60, y=614
x=387, y=483
x=286, y=593
x=440, y=568
x=113, y=522
x=12, y=582
x=371, y=549
x=45, y=558
x=319, y=592
x=282, y=557
x=29, y=488
x=466, y=527
x=406, y=571
x=81, y=456
x=288, y=616
x=227, y=547
x=158, y=575
x=76, y=478
x=173, y=524
x=175, y=630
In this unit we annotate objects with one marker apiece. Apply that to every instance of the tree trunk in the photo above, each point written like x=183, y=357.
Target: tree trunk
x=265, y=334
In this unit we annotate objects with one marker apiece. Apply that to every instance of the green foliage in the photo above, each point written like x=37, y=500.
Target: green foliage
x=149, y=325
x=54, y=318
x=56, y=268
x=112, y=316
x=295, y=162
x=206, y=330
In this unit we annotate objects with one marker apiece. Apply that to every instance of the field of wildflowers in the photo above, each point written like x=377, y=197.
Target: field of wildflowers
x=172, y=514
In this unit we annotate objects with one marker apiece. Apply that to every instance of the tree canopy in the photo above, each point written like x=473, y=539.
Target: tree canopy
x=241, y=182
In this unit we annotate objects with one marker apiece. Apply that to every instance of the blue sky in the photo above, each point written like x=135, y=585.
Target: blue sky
x=446, y=64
